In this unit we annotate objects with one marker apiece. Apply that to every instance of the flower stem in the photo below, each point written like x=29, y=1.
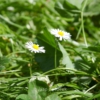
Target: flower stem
x=81, y=29
x=82, y=22
x=55, y=60
x=30, y=68
x=55, y=56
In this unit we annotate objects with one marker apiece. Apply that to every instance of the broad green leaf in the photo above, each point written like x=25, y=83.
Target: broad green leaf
x=73, y=4
x=47, y=38
x=37, y=90
x=68, y=8
x=61, y=10
x=65, y=59
x=46, y=60
x=92, y=8
x=22, y=97
x=53, y=97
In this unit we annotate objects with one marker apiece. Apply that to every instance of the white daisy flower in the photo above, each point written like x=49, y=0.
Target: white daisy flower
x=34, y=47
x=41, y=78
x=62, y=35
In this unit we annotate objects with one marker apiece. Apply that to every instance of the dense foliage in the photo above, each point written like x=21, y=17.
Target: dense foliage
x=68, y=70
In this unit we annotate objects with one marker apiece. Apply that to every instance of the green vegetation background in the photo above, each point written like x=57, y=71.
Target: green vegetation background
x=26, y=20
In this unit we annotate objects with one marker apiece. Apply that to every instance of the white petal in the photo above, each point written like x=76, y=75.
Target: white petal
x=29, y=45
x=60, y=38
x=53, y=31
x=42, y=51
x=64, y=37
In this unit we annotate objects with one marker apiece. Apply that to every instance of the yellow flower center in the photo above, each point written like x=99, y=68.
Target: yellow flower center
x=35, y=46
x=61, y=33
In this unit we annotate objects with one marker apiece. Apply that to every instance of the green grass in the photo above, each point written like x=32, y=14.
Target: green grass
x=72, y=66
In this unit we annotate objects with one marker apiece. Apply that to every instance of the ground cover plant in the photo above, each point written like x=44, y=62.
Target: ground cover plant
x=49, y=50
